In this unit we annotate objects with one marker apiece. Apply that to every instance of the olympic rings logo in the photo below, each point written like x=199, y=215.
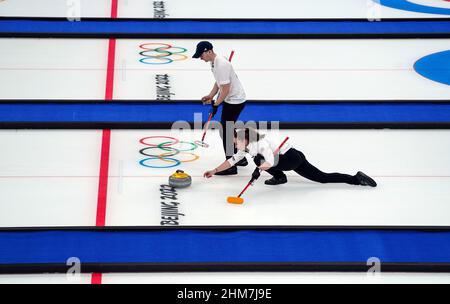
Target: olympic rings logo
x=161, y=53
x=169, y=147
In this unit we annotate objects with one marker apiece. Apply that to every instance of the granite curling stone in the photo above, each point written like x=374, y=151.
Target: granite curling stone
x=180, y=179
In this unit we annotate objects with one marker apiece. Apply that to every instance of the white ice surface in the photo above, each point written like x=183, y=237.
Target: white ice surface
x=50, y=178
x=53, y=68
x=56, y=8
x=235, y=278
x=289, y=69
x=282, y=9
x=307, y=70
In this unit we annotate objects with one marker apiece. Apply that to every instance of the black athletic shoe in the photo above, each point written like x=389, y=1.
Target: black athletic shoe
x=276, y=181
x=229, y=171
x=242, y=163
x=365, y=180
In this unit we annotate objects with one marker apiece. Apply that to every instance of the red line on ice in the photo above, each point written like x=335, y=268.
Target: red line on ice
x=106, y=140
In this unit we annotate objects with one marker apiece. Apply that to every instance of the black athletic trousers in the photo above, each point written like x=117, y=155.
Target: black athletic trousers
x=230, y=112
x=296, y=160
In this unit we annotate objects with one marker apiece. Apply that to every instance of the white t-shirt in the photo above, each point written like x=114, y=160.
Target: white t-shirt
x=266, y=147
x=224, y=74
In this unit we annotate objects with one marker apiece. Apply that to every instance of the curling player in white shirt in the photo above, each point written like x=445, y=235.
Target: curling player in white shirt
x=262, y=148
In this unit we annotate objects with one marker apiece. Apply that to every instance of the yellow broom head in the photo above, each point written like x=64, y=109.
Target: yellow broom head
x=235, y=200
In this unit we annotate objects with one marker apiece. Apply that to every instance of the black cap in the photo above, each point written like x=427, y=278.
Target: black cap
x=202, y=47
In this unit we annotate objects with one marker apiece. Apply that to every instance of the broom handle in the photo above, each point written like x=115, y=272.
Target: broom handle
x=206, y=126
x=246, y=187
x=274, y=153
x=282, y=144
x=231, y=56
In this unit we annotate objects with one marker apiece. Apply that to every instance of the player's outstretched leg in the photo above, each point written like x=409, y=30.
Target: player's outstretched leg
x=312, y=173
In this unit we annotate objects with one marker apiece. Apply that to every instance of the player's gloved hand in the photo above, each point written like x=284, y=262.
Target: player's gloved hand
x=214, y=109
x=206, y=99
x=256, y=174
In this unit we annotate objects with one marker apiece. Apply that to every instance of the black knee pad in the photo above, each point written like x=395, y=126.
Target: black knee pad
x=259, y=159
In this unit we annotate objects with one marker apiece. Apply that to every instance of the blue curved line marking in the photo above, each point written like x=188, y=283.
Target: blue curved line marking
x=435, y=67
x=142, y=163
x=413, y=7
x=143, y=60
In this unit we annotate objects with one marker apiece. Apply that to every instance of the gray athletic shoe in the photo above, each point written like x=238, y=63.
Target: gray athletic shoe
x=365, y=180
